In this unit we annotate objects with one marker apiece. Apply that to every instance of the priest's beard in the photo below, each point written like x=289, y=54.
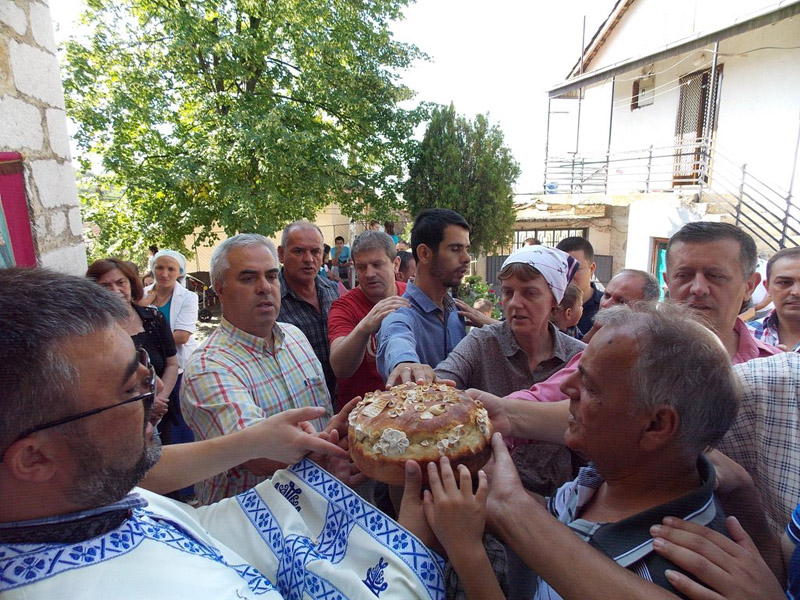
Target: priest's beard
x=99, y=480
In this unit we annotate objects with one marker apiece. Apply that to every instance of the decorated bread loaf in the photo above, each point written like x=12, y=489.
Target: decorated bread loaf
x=419, y=422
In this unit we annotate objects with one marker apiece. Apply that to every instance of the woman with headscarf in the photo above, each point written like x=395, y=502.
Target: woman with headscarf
x=516, y=353
x=179, y=306
x=147, y=327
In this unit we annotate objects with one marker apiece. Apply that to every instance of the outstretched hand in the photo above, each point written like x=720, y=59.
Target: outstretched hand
x=372, y=322
x=405, y=372
x=496, y=407
x=456, y=515
x=473, y=316
x=505, y=485
x=412, y=514
x=732, y=568
x=287, y=437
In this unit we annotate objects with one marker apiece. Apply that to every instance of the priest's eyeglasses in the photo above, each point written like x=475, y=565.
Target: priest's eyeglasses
x=147, y=399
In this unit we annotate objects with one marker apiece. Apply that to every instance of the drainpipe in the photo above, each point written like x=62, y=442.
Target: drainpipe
x=580, y=90
x=789, y=193
x=710, y=118
x=546, y=146
x=610, y=123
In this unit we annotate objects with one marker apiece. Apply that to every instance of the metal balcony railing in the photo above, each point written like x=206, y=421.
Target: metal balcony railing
x=767, y=211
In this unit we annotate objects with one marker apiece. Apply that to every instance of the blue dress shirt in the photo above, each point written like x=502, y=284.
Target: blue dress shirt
x=418, y=333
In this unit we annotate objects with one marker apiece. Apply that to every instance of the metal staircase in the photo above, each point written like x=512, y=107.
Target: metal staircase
x=766, y=211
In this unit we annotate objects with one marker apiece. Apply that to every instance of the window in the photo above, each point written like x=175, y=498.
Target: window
x=548, y=237
x=643, y=92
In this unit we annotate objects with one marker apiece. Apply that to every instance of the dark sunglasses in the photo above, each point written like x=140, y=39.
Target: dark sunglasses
x=147, y=399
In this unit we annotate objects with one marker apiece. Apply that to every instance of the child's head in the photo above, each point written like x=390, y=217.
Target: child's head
x=483, y=305
x=148, y=279
x=569, y=312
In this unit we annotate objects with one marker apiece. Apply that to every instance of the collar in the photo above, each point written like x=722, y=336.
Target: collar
x=250, y=341
x=771, y=320
x=749, y=347
x=629, y=540
x=509, y=345
x=319, y=284
x=74, y=526
x=424, y=301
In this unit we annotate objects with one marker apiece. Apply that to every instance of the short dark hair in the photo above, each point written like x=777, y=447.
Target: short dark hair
x=784, y=253
x=100, y=267
x=405, y=258
x=153, y=248
x=373, y=240
x=705, y=232
x=574, y=243
x=650, y=288
x=42, y=312
x=337, y=238
x=429, y=226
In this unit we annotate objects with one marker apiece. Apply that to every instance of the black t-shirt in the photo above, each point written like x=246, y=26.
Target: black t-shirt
x=156, y=338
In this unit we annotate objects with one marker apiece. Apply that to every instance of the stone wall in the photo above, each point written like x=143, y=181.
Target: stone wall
x=33, y=122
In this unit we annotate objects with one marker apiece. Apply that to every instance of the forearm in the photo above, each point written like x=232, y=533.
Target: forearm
x=186, y=464
x=543, y=421
x=550, y=549
x=180, y=336
x=347, y=352
x=475, y=572
x=170, y=376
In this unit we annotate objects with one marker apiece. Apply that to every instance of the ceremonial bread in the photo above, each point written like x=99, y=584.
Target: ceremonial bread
x=419, y=422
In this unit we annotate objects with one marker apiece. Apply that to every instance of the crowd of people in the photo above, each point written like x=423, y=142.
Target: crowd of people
x=642, y=448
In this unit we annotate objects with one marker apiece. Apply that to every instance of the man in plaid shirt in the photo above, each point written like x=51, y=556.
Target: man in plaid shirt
x=251, y=367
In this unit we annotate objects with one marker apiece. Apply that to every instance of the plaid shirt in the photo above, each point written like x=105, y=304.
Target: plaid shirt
x=765, y=438
x=766, y=330
x=235, y=381
x=313, y=323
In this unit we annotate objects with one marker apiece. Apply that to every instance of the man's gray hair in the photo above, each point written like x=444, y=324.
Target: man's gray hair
x=294, y=226
x=219, y=259
x=41, y=313
x=369, y=240
x=650, y=288
x=681, y=364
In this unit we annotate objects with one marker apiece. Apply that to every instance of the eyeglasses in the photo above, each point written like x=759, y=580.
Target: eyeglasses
x=147, y=399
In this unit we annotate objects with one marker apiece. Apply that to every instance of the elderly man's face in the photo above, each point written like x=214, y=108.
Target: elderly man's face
x=302, y=256
x=251, y=293
x=111, y=450
x=601, y=425
x=623, y=289
x=708, y=278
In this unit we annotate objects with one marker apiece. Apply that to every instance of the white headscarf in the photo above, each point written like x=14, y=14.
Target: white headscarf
x=557, y=267
x=175, y=255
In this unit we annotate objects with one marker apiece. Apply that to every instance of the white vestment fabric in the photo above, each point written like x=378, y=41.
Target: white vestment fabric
x=300, y=535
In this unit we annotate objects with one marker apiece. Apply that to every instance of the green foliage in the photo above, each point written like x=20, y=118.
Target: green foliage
x=239, y=113
x=464, y=166
x=473, y=287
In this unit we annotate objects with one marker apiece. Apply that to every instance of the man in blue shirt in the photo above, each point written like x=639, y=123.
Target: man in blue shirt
x=413, y=340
